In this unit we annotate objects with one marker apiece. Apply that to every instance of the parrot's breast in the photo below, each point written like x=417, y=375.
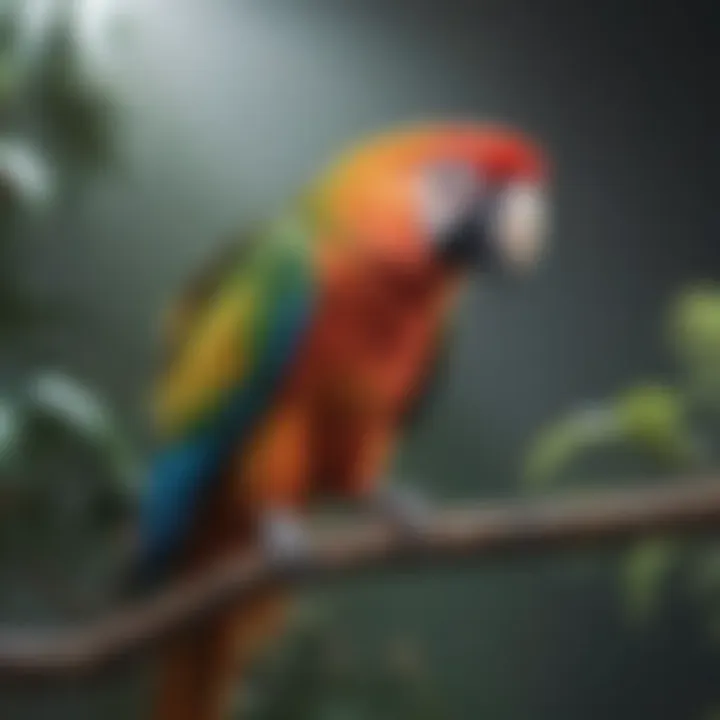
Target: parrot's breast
x=376, y=332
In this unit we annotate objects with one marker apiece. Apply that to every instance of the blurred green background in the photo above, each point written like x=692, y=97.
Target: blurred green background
x=133, y=135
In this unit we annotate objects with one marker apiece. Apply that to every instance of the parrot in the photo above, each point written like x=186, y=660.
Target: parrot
x=294, y=360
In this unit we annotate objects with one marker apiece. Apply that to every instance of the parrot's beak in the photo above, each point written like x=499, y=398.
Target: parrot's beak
x=519, y=227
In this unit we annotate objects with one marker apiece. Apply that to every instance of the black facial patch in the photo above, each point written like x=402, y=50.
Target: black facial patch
x=468, y=242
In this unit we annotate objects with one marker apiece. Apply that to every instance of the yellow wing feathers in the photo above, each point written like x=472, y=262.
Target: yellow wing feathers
x=210, y=363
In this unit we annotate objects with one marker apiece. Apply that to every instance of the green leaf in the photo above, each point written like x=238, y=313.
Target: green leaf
x=652, y=417
x=78, y=115
x=560, y=444
x=88, y=416
x=27, y=176
x=645, y=571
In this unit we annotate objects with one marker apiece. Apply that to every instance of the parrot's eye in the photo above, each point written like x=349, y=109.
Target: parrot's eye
x=520, y=224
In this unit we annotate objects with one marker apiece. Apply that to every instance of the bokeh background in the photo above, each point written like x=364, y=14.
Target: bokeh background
x=223, y=108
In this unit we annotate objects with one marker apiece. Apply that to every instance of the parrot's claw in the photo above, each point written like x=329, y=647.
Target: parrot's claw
x=283, y=537
x=408, y=511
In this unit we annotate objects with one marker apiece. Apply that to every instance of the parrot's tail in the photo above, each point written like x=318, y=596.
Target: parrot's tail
x=201, y=673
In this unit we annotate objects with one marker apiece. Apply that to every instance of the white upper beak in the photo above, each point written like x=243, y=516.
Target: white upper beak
x=521, y=224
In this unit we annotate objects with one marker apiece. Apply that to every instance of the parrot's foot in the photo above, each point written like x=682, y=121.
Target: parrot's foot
x=283, y=537
x=407, y=510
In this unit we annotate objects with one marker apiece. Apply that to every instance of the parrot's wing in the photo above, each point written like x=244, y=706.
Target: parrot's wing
x=199, y=289
x=223, y=379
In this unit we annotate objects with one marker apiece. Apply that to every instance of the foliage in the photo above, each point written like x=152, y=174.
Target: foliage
x=645, y=573
x=66, y=466
x=67, y=474
x=667, y=425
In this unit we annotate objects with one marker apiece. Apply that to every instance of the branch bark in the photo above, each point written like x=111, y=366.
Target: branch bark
x=471, y=532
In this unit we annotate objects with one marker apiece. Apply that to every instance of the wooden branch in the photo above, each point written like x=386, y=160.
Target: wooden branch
x=473, y=532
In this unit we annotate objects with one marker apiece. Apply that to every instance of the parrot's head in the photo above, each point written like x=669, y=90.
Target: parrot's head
x=454, y=196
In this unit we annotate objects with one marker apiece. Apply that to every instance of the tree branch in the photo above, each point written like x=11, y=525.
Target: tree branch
x=473, y=532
